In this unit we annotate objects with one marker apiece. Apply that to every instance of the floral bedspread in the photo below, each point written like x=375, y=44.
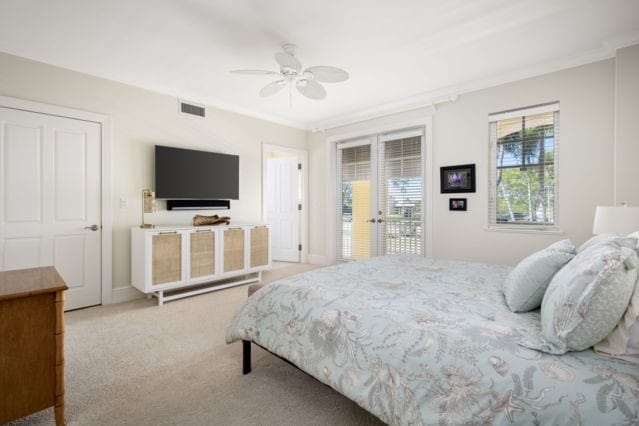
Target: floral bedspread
x=422, y=341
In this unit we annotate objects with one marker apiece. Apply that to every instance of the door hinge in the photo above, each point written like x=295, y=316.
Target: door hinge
x=299, y=207
x=299, y=166
x=299, y=247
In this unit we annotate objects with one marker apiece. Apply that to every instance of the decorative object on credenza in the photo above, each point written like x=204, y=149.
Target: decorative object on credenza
x=148, y=206
x=621, y=220
x=457, y=178
x=457, y=204
x=200, y=220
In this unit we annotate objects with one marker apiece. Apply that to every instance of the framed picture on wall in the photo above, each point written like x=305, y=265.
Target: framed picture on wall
x=457, y=204
x=457, y=178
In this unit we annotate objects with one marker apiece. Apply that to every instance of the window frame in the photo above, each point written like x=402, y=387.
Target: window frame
x=492, y=223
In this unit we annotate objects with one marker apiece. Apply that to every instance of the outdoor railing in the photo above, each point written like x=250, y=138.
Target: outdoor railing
x=397, y=235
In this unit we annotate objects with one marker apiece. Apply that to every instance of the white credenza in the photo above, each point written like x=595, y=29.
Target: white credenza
x=174, y=258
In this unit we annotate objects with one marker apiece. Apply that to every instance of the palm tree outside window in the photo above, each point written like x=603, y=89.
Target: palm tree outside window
x=524, y=147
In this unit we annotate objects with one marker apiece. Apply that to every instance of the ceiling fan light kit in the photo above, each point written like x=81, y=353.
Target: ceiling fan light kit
x=306, y=82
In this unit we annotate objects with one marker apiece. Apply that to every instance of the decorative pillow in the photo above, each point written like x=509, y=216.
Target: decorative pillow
x=623, y=342
x=629, y=241
x=587, y=298
x=526, y=284
x=635, y=235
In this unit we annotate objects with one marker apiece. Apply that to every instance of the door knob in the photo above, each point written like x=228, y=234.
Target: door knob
x=92, y=227
x=380, y=220
x=371, y=221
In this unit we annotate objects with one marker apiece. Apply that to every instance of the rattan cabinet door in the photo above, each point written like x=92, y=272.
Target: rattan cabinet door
x=233, y=249
x=166, y=258
x=202, y=253
x=259, y=246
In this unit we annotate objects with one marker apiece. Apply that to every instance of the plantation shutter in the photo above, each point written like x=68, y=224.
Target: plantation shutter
x=354, y=231
x=523, y=167
x=400, y=192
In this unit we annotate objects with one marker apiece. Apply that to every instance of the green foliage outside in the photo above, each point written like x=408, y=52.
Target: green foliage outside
x=526, y=176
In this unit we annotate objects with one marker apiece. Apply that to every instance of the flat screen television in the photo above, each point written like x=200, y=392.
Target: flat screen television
x=189, y=174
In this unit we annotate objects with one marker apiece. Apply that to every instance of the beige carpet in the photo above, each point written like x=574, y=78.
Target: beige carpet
x=139, y=364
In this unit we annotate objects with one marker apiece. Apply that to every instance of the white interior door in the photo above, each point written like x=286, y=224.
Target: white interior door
x=282, y=207
x=50, y=188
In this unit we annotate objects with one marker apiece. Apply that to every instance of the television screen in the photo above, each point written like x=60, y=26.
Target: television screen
x=186, y=173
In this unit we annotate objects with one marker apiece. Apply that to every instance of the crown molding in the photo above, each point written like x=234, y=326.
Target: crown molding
x=171, y=91
x=450, y=93
x=606, y=50
x=211, y=102
x=619, y=42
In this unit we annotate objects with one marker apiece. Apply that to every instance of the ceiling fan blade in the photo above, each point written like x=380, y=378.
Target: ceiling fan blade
x=327, y=74
x=288, y=61
x=311, y=89
x=272, y=88
x=255, y=72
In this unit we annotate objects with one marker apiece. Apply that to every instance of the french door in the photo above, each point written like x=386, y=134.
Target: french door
x=380, y=181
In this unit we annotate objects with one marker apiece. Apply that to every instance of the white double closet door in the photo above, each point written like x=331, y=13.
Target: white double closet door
x=50, y=194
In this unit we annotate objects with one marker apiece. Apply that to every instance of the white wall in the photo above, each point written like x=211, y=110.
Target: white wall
x=142, y=119
x=460, y=135
x=627, y=125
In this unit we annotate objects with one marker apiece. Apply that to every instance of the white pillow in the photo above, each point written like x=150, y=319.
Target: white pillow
x=623, y=342
x=629, y=241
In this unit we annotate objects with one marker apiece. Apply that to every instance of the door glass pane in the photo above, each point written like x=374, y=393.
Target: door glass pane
x=355, y=233
x=400, y=196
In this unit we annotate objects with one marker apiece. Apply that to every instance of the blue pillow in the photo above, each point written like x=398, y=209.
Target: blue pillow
x=587, y=298
x=526, y=284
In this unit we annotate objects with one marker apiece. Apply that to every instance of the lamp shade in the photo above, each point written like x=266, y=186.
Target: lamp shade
x=621, y=220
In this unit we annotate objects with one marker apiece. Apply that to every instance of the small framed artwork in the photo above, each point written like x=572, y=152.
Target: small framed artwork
x=457, y=178
x=457, y=204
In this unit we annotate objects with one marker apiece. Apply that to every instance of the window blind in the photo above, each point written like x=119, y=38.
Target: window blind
x=400, y=192
x=354, y=231
x=524, y=148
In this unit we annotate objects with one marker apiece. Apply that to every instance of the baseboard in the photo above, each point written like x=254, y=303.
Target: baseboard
x=125, y=294
x=316, y=259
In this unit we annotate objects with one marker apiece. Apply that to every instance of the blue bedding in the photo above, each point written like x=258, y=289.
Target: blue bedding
x=421, y=341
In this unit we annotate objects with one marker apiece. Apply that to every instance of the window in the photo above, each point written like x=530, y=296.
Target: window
x=523, y=167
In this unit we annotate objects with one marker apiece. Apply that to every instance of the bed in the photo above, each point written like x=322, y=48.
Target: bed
x=422, y=341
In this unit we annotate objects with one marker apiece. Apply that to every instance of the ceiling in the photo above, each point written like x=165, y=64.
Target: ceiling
x=400, y=54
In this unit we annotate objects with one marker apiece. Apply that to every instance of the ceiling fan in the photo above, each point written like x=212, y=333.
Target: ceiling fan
x=307, y=82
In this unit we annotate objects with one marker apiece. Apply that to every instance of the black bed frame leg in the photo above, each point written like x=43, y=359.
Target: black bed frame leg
x=246, y=356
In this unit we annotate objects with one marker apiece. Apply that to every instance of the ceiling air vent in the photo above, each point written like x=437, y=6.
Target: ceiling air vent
x=192, y=109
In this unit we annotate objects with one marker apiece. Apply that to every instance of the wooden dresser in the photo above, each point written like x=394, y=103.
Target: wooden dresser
x=31, y=343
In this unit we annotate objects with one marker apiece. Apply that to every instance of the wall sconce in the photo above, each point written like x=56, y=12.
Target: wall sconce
x=148, y=206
